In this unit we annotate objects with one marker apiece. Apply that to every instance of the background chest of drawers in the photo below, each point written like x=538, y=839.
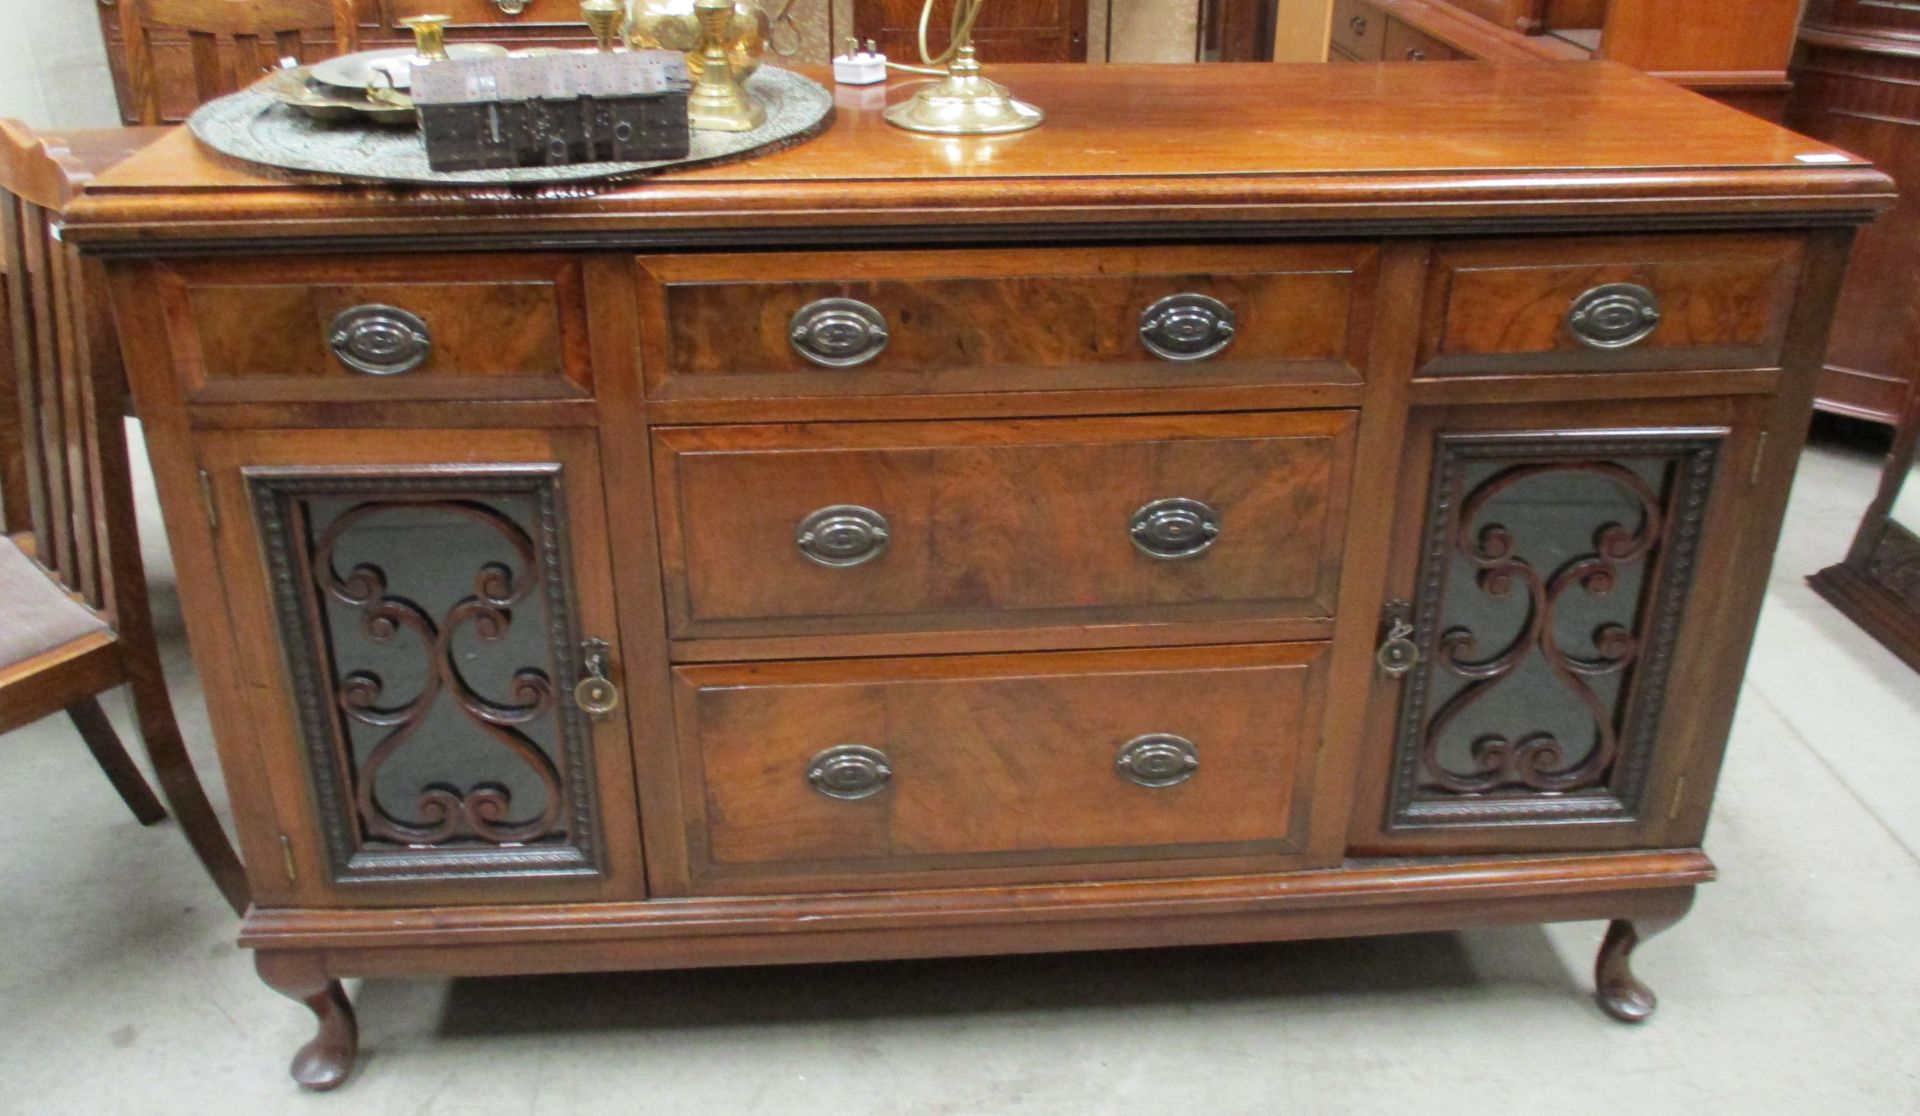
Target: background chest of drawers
x=1088, y=545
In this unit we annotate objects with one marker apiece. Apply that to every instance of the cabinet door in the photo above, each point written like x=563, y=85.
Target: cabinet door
x=1565, y=646
x=416, y=623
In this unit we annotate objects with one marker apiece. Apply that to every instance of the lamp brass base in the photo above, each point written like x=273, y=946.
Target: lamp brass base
x=964, y=104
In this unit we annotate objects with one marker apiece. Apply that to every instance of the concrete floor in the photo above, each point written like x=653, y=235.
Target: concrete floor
x=1791, y=986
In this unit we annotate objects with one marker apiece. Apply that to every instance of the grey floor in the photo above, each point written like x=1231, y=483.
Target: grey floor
x=1791, y=987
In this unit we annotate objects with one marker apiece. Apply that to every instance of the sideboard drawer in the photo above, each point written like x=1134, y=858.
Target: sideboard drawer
x=893, y=527
x=493, y=15
x=360, y=328
x=810, y=776
x=1605, y=303
x=1359, y=29
x=890, y=323
x=1406, y=43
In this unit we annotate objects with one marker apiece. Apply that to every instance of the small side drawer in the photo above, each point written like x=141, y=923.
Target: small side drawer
x=840, y=528
x=816, y=776
x=825, y=324
x=1359, y=29
x=1405, y=43
x=344, y=329
x=1595, y=304
x=489, y=14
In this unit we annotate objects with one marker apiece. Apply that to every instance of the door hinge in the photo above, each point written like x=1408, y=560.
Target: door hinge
x=1679, y=793
x=286, y=853
x=1759, y=458
x=206, y=497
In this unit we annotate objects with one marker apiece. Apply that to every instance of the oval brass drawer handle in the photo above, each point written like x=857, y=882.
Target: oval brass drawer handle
x=849, y=771
x=842, y=535
x=1614, y=316
x=838, y=332
x=1159, y=759
x=1186, y=327
x=380, y=340
x=1174, y=528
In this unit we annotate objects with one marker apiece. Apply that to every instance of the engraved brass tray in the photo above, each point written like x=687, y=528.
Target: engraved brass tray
x=255, y=126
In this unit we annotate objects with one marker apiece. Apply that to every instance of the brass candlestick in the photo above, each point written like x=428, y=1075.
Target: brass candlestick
x=429, y=36
x=963, y=103
x=718, y=103
x=604, y=18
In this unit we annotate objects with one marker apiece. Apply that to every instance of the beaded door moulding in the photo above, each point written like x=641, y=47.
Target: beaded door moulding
x=1551, y=565
x=403, y=677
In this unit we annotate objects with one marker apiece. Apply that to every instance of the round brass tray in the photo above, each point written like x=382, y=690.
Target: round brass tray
x=255, y=127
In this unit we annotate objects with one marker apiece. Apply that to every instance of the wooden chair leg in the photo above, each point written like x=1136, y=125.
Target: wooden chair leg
x=160, y=733
x=113, y=759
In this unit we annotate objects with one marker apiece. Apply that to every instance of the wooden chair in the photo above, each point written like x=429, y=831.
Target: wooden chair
x=72, y=590
x=230, y=42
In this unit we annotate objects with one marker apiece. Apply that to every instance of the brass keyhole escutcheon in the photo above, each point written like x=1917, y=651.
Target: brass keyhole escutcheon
x=1398, y=653
x=596, y=695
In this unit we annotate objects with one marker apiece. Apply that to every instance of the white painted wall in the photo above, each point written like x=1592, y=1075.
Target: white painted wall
x=53, y=66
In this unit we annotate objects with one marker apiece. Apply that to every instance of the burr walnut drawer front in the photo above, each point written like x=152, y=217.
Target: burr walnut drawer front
x=894, y=527
x=823, y=775
x=1584, y=304
x=346, y=329
x=893, y=323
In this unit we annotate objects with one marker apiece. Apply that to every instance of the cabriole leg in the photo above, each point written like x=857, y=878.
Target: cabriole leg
x=1620, y=993
x=326, y=1060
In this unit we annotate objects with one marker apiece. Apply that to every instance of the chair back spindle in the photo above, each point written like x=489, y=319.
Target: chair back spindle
x=52, y=413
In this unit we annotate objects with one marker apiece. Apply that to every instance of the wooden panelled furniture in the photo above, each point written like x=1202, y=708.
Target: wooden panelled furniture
x=886, y=548
x=806, y=32
x=229, y=43
x=71, y=586
x=1857, y=84
x=1735, y=51
x=1878, y=583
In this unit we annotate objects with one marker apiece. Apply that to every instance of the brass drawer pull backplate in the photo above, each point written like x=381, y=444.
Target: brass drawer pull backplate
x=380, y=340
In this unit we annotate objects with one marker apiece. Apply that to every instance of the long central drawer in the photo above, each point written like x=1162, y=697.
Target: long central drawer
x=789, y=530
x=811, y=776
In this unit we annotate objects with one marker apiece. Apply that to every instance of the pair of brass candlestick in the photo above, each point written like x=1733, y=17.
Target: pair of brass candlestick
x=718, y=102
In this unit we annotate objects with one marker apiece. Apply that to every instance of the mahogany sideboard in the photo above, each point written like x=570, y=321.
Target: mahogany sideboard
x=1345, y=514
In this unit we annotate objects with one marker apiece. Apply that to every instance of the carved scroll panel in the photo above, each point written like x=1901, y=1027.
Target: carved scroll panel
x=1552, y=583
x=428, y=628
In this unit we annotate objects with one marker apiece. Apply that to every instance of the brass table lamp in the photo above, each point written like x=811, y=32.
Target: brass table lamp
x=963, y=103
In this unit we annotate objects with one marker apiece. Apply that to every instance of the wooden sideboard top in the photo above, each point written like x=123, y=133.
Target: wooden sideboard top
x=1588, y=143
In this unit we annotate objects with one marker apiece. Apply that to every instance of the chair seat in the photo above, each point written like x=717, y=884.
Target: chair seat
x=36, y=615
